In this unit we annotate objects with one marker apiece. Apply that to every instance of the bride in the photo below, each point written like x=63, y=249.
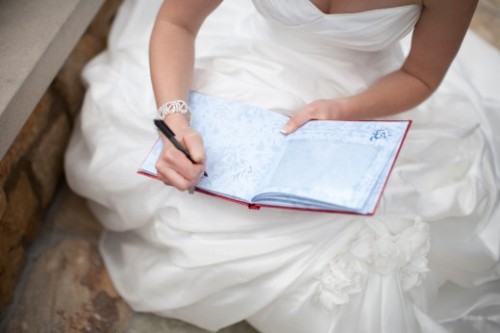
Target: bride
x=427, y=261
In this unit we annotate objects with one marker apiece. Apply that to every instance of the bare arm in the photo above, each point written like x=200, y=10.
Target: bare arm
x=171, y=55
x=437, y=37
x=171, y=51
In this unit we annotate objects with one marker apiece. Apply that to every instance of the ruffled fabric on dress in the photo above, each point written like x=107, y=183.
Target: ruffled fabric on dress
x=375, y=248
x=428, y=261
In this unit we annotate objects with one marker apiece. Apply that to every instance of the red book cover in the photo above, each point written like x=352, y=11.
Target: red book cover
x=325, y=166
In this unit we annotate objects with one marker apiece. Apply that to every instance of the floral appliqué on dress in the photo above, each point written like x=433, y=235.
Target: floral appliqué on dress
x=375, y=250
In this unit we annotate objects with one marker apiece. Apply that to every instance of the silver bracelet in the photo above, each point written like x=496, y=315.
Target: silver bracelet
x=175, y=106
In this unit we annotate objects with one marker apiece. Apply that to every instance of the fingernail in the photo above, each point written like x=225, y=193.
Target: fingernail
x=285, y=130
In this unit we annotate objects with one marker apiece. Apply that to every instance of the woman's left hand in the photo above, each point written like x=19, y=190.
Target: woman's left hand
x=322, y=109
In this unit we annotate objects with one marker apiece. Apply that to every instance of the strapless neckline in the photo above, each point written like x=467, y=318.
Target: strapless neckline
x=317, y=11
x=299, y=21
x=296, y=13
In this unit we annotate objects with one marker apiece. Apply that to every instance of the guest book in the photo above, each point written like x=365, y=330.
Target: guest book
x=325, y=166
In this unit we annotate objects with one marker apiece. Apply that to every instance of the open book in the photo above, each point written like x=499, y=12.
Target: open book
x=334, y=166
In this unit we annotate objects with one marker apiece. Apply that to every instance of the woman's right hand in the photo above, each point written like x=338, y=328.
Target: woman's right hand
x=174, y=168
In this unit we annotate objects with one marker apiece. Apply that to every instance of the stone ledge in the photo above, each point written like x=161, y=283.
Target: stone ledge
x=36, y=38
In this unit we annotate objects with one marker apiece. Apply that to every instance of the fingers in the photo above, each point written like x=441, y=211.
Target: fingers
x=175, y=169
x=299, y=119
x=320, y=109
x=194, y=144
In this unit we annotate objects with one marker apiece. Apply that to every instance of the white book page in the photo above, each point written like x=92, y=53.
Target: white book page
x=336, y=162
x=241, y=142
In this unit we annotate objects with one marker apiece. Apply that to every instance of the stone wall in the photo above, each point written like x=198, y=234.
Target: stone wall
x=31, y=170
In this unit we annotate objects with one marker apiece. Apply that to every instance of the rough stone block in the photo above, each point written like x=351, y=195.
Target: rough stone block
x=28, y=135
x=11, y=264
x=68, y=290
x=3, y=202
x=22, y=206
x=73, y=219
x=18, y=224
x=47, y=158
x=68, y=81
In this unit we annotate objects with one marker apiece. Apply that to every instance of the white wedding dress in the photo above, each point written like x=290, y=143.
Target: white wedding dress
x=428, y=261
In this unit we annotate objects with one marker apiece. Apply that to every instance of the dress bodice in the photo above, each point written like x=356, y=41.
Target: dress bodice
x=369, y=30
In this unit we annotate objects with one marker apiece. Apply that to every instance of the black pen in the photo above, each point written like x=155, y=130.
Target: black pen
x=171, y=137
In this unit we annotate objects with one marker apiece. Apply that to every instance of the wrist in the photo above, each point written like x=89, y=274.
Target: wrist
x=176, y=114
x=178, y=122
x=344, y=108
x=173, y=107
